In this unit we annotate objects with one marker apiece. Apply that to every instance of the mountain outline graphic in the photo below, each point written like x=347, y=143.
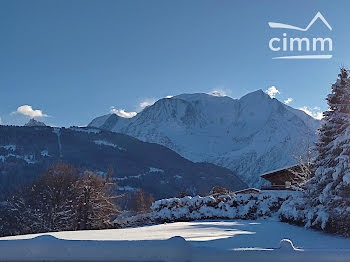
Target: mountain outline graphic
x=286, y=26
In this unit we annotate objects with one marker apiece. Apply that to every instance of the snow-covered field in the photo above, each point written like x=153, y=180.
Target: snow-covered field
x=202, y=241
x=218, y=234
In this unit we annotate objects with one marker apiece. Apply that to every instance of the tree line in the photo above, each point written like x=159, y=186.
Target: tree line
x=62, y=199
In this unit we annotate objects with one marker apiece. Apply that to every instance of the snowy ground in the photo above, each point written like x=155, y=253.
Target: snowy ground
x=218, y=234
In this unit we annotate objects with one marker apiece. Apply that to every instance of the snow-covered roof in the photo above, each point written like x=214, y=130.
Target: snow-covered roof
x=276, y=170
x=247, y=189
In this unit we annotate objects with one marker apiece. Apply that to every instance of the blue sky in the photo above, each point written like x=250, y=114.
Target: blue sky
x=74, y=60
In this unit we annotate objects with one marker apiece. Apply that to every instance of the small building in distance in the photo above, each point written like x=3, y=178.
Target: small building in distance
x=281, y=179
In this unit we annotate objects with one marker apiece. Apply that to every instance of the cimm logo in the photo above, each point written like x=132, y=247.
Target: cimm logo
x=292, y=47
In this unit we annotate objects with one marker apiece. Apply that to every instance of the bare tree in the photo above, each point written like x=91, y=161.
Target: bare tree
x=46, y=205
x=142, y=202
x=95, y=203
x=303, y=172
x=55, y=193
x=59, y=200
x=15, y=215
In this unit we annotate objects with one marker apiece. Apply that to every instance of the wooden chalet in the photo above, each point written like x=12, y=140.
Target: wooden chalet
x=281, y=179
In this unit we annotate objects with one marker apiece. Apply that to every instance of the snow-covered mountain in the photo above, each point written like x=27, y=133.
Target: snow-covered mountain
x=250, y=135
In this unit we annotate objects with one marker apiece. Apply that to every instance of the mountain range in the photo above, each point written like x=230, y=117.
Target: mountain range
x=250, y=135
x=26, y=152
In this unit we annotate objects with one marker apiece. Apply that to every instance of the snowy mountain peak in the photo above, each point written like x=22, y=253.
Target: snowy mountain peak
x=256, y=96
x=199, y=96
x=33, y=122
x=250, y=135
x=111, y=121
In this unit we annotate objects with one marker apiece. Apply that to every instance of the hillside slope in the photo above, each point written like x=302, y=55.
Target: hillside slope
x=25, y=152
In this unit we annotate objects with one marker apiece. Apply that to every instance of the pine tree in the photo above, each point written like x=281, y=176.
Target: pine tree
x=329, y=190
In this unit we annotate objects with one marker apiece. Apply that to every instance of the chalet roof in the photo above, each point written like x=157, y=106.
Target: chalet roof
x=248, y=189
x=280, y=176
x=278, y=170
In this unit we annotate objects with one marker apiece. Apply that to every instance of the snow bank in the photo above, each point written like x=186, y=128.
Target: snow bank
x=286, y=252
x=286, y=206
x=175, y=249
x=49, y=248
x=243, y=206
x=296, y=211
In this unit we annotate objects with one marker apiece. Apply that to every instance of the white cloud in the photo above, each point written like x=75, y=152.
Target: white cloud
x=122, y=113
x=0, y=121
x=288, y=100
x=218, y=92
x=147, y=102
x=29, y=111
x=272, y=91
x=315, y=112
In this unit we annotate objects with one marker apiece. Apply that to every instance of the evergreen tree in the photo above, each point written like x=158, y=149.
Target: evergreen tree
x=329, y=190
